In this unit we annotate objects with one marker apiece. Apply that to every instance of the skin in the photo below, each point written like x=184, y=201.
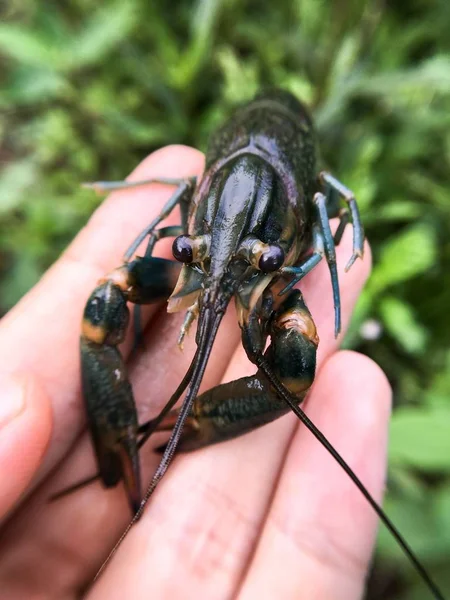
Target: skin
x=267, y=515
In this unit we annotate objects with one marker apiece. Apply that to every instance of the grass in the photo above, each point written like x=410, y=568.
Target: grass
x=88, y=90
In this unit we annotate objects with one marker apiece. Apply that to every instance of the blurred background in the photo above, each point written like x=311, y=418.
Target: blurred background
x=88, y=89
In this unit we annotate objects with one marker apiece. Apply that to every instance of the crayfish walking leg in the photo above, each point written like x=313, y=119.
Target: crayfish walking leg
x=332, y=187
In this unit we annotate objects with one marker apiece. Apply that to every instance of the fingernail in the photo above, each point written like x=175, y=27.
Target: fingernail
x=12, y=398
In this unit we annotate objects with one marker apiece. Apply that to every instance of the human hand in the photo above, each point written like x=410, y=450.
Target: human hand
x=266, y=515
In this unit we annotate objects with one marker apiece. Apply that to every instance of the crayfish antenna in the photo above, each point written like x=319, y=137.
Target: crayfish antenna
x=301, y=415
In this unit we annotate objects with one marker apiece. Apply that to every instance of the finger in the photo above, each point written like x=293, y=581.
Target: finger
x=76, y=521
x=320, y=531
x=60, y=545
x=55, y=304
x=204, y=520
x=25, y=428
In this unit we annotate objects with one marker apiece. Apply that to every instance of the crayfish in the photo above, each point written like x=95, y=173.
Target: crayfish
x=254, y=226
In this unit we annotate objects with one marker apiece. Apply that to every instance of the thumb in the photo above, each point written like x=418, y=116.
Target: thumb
x=25, y=428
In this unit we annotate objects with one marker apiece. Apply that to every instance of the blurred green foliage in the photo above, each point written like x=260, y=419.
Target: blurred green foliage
x=88, y=89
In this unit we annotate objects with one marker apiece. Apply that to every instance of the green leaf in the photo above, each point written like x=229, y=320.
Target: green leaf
x=401, y=322
x=15, y=180
x=20, y=277
x=442, y=503
x=420, y=438
x=344, y=62
x=438, y=393
x=102, y=33
x=30, y=85
x=204, y=19
x=300, y=87
x=25, y=46
x=396, y=210
x=241, y=79
x=415, y=517
x=404, y=256
x=414, y=85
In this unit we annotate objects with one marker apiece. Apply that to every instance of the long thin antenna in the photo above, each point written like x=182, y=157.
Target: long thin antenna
x=285, y=395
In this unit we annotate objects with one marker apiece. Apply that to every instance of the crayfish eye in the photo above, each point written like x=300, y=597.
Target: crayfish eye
x=272, y=259
x=182, y=249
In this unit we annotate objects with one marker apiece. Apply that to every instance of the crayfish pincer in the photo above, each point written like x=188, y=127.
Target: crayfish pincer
x=113, y=424
x=252, y=227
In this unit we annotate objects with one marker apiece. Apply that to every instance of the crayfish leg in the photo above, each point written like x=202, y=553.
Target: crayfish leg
x=334, y=188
